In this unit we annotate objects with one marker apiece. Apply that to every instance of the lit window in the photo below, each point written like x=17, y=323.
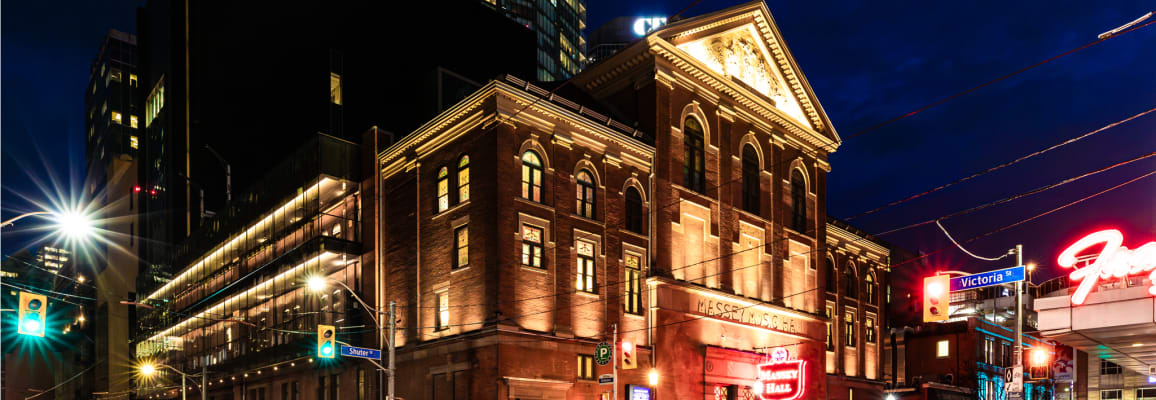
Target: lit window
x=335, y=88
x=751, y=190
x=585, y=193
x=585, y=367
x=114, y=75
x=693, y=162
x=133, y=141
x=461, y=252
x=116, y=117
x=443, y=315
x=155, y=102
x=443, y=189
x=633, y=210
x=942, y=349
x=464, y=178
x=869, y=288
x=132, y=81
x=849, y=328
x=869, y=329
x=585, y=279
x=798, y=201
x=531, y=176
x=532, y=246
x=133, y=121
x=633, y=296
x=989, y=351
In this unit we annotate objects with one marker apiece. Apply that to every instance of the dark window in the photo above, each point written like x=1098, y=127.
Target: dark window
x=443, y=189
x=832, y=277
x=798, y=201
x=1115, y=394
x=585, y=280
x=751, y=190
x=585, y=367
x=531, y=176
x=1146, y=393
x=585, y=192
x=532, y=246
x=463, y=178
x=1110, y=368
x=633, y=210
x=632, y=302
x=693, y=162
x=461, y=247
x=850, y=283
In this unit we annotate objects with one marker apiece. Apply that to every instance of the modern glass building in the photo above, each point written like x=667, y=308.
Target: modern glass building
x=558, y=25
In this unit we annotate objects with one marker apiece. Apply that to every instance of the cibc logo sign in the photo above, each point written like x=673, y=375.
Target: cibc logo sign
x=1114, y=261
x=642, y=26
x=782, y=378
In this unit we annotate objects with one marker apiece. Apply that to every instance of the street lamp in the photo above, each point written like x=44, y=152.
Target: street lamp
x=149, y=369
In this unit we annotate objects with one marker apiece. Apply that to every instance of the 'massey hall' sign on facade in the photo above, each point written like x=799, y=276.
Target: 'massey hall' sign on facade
x=750, y=315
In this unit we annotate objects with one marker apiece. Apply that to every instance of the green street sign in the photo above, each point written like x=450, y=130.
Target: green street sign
x=602, y=353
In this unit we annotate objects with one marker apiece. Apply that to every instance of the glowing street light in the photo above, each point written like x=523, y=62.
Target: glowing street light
x=316, y=283
x=653, y=377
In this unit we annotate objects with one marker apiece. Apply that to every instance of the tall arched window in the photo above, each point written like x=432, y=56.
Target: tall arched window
x=751, y=191
x=633, y=210
x=463, y=178
x=869, y=288
x=694, y=163
x=443, y=189
x=531, y=176
x=585, y=194
x=832, y=278
x=798, y=201
x=850, y=283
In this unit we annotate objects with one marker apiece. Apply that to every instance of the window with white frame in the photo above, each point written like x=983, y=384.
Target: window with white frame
x=532, y=246
x=585, y=271
x=1114, y=394
x=443, y=315
x=942, y=349
x=632, y=302
x=461, y=246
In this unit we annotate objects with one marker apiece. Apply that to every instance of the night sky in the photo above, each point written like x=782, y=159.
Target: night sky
x=867, y=64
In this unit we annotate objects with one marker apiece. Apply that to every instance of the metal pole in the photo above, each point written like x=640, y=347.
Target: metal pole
x=392, y=348
x=204, y=392
x=1019, y=347
x=184, y=393
x=614, y=361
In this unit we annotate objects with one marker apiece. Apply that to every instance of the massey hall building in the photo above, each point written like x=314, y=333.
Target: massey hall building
x=673, y=194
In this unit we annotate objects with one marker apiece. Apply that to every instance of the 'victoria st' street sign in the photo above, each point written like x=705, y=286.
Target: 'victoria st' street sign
x=990, y=278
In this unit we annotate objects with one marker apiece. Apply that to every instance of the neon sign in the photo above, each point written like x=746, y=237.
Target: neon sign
x=781, y=379
x=1114, y=261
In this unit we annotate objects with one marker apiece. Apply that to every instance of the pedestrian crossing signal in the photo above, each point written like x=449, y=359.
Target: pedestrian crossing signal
x=33, y=308
x=325, y=341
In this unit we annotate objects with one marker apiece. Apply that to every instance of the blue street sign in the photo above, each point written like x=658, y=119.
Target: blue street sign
x=990, y=278
x=350, y=351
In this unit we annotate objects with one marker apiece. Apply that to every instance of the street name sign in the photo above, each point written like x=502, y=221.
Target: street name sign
x=606, y=379
x=990, y=278
x=602, y=353
x=359, y=352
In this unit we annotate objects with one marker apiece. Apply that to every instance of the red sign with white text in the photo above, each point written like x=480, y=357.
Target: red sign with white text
x=781, y=379
x=1114, y=261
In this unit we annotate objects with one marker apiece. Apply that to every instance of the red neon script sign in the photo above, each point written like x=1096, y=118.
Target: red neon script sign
x=781, y=379
x=1114, y=261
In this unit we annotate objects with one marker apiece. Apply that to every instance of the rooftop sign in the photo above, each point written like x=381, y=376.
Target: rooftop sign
x=644, y=25
x=1114, y=261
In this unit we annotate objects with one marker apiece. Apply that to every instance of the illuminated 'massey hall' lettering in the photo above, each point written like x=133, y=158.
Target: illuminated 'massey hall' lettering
x=747, y=315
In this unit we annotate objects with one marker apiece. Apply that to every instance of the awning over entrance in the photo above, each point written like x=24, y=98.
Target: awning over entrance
x=1118, y=324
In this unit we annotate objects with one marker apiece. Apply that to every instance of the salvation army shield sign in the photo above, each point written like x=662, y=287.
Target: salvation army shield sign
x=781, y=379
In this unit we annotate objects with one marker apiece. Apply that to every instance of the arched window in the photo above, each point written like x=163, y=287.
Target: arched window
x=869, y=288
x=850, y=283
x=798, y=201
x=832, y=279
x=531, y=176
x=463, y=178
x=633, y=210
x=443, y=189
x=751, y=190
x=585, y=194
x=694, y=164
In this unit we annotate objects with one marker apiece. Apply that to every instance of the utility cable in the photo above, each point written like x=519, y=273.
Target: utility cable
x=940, y=225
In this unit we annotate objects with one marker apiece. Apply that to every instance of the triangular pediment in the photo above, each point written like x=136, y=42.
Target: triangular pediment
x=742, y=47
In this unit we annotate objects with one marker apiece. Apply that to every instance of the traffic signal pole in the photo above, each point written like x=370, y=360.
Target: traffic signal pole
x=614, y=361
x=1019, y=346
x=392, y=348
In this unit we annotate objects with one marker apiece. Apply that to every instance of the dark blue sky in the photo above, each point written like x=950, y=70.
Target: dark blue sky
x=867, y=61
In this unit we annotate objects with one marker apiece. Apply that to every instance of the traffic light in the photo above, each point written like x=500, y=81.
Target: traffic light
x=936, y=291
x=628, y=360
x=325, y=341
x=1039, y=363
x=33, y=309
